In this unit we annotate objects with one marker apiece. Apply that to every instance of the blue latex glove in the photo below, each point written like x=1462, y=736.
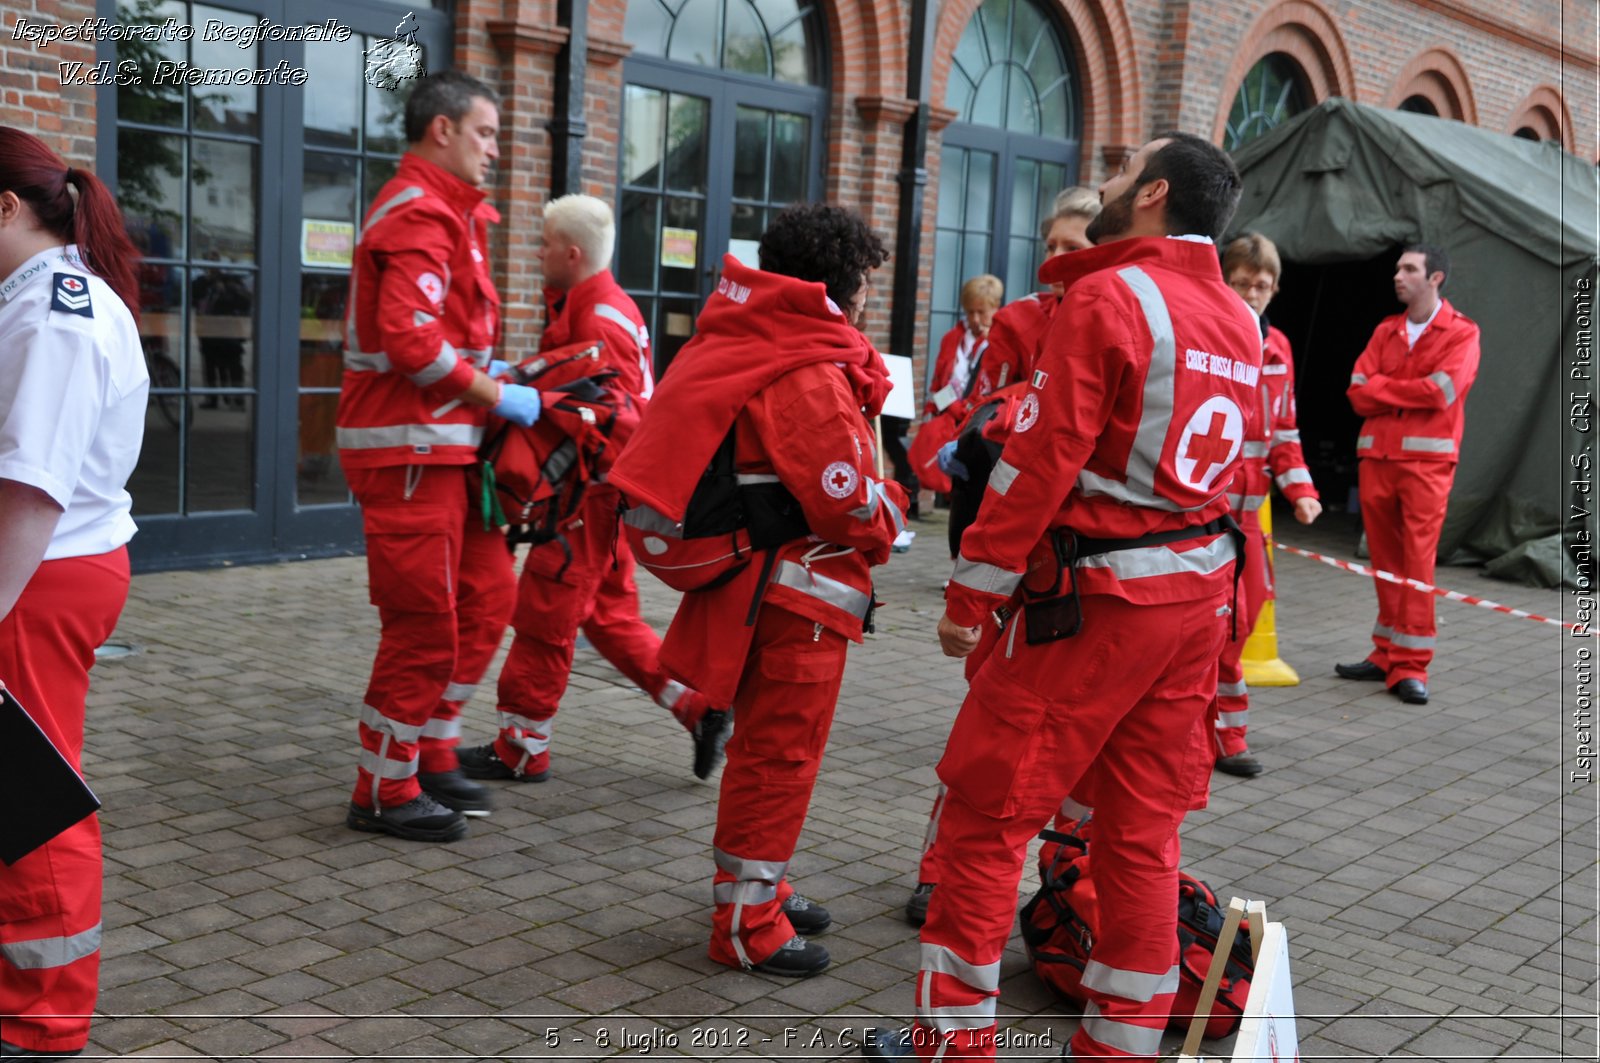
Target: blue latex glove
x=518, y=404
x=497, y=368
x=949, y=464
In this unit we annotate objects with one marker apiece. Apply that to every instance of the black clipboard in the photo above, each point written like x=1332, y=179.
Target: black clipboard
x=38, y=781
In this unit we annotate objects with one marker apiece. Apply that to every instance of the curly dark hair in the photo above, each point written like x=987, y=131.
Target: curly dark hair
x=817, y=242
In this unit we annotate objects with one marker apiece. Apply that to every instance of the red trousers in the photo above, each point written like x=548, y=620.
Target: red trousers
x=50, y=899
x=444, y=589
x=784, y=710
x=1126, y=699
x=1229, y=714
x=1402, y=508
x=593, y=589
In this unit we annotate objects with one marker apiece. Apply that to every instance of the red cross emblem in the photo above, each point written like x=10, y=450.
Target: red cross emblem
x=72, y=284
x=839, y=479
x=1211, y=439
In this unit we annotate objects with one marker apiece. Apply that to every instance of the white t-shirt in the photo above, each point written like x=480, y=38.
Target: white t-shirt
x=73, y=391
x=962, y=369
x=1414, y=328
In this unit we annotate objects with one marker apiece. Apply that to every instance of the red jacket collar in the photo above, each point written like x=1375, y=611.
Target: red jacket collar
x=1186, y=256
x=447, y=186
x=587, y=289
x=1444, y=319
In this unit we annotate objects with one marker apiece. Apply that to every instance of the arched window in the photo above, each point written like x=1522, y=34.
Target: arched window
x=1273, y=90
x=774, y=39
x=1419, y=105
x=1013, y=146
x=722, y=119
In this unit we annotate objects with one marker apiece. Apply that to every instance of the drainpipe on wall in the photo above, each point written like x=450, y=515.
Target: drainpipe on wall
x=568, y=128
x=913, y=178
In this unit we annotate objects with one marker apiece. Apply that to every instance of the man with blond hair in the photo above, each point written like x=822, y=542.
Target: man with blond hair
x=585, y=578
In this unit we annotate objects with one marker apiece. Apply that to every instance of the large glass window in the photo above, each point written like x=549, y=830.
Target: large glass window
x=1273, y=90
x=765, y=38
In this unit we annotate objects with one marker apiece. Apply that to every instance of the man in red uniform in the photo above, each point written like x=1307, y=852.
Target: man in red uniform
x=585, y=578
x=1411, y=385
x=1106, y=514
x=423, y=315
x=778, y=360
x=1271, y=455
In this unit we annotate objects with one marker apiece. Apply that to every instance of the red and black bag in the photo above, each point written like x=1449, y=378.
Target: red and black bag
x=1060, y=923
x=533, y=479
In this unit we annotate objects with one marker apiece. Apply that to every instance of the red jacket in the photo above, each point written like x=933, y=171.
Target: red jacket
x=1414, y=399
x=1133, y=423
x=1015, y=336
x=1272, y=449
x=945, y=365
x=422, y=312
x=598, y=309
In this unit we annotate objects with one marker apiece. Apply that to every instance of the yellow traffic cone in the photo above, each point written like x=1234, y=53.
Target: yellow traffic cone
x=1262, y=665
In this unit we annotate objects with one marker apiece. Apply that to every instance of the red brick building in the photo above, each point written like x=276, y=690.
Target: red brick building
x=695, y=119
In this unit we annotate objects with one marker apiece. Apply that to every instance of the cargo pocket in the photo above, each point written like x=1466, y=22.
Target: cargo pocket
x=800, y=687
x=410, y=561
x=991, y=741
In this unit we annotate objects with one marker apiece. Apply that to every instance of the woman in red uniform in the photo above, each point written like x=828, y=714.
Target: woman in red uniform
x=73, y=389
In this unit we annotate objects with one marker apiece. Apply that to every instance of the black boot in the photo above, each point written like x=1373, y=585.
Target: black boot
x=421, y=819
x=455, y=790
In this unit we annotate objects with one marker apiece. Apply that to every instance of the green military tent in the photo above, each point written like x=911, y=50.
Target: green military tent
x=1340, y=189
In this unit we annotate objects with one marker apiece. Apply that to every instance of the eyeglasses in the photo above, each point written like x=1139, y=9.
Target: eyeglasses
x=1264, y=287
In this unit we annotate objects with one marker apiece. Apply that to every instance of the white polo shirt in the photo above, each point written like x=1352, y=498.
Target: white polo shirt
x=73, y=391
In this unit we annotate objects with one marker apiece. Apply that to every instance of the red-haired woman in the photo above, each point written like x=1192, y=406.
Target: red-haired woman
x=73, y=388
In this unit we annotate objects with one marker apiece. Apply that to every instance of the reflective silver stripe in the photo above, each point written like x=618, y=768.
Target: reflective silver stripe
x=374, y=718
x=651, y=520
x=1357, y=378
x=419, y=318
x=404, y=196
x=1003, y=476
x=386, y=768
x=1070, y=809
x=1247, y=503
x=1233, y=719
x=478, y=356
x=755, y=892
x=989, y=579
x=39, y=954
x=1235, y=502
x=438, y=369
x=612, y=314
x=1255, y=448
x=533, y=740
x=1160, y=561
x=1293, y=476
x=1363, y=442
x=1274, y=369
x=957, y=1017
x=1138, y=487
x=459, y=691
x=1140, y=986
x=1285, y=435
x=442, y=729
x=750, y=870
x=1382, y=631
x=875, y=497
x=1428, y=444
x=366, y=361
x=937, y=959
x=744, y=478
x=1123, y=1036
x=1412, y=642
x=510, y=721
x=671, y=694
x=410, y=435
x=1240, y=689
x=1446, y=385
x=839, y=595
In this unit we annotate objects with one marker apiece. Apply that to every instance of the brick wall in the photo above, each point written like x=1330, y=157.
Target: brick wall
x=31, y=94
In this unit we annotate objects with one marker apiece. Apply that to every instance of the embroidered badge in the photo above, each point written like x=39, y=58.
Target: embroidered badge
x=432, y=287
x=70, y=295
x=1210, y=440
x=1039, y=377
x=840, y=479
x=1027, y=412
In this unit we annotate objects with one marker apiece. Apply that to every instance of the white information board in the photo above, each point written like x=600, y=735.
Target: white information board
x=1267, y=1033
x=902, y=401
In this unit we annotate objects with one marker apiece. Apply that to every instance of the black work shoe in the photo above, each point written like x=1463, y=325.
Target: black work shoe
x=455, y=790
x=1360, y=670
x=1410, y=691
x=10, y=1051
x=795, y=958
x=482, y=762
x=421, y=819
x=807, y=917
x=710, y=735
x=1241, y=764
x=917, y=903
x=878, y=1043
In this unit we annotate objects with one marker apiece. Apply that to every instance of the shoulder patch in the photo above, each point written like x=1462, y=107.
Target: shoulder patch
x=69, y=293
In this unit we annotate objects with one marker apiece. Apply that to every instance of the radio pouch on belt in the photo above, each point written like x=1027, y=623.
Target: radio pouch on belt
x=1054, y=614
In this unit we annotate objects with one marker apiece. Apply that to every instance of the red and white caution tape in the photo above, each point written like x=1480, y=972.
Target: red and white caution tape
x=1454, y=596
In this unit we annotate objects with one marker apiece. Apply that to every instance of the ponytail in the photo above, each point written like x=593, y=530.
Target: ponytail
x=74, y=206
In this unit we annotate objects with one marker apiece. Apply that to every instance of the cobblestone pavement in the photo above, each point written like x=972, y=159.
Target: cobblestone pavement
x=1434, y=869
